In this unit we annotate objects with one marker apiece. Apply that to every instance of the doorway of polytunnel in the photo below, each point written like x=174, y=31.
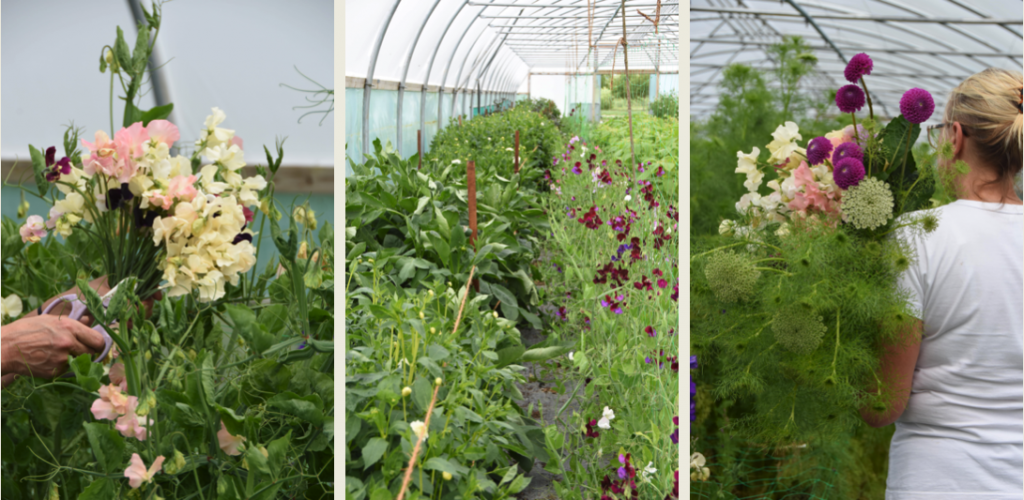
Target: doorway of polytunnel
x=512, y=296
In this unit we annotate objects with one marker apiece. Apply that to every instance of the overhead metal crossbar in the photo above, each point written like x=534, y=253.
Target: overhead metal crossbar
x=931, y=44
x=461, y=57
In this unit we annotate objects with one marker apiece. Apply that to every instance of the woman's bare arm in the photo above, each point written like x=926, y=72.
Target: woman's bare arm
x=897, y=371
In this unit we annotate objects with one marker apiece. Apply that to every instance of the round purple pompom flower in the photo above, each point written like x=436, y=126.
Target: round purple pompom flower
x=850, y=98
x=847, y=150
x=917, y=105
x=859, y=66
x=848, y=172
x=818, y=150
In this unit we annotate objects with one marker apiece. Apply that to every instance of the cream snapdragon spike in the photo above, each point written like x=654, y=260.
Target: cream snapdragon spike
x=801, y=191
x=197, y=221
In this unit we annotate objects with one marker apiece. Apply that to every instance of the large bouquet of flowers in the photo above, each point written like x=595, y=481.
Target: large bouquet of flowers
x=154, y=217
x=791, y=301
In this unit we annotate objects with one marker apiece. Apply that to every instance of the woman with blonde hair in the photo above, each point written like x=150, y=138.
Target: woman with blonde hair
x=957, y=398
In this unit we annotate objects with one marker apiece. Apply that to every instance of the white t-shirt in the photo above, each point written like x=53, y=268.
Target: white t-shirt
x=962, y=434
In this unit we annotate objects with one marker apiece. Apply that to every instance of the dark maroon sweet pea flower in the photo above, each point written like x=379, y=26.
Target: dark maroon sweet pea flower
x=591, y=431
x=651, y=332
x=242, y=237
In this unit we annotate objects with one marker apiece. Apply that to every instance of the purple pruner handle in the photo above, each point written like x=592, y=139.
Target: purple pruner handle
x=78, y=309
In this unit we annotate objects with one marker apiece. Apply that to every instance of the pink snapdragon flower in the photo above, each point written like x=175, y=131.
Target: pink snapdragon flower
x=34, y=229
x=137, y=473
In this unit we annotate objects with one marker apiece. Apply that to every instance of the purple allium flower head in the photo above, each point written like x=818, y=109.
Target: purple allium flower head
x=847, y=150
x=858, y=66
x=848, y=172
x=917, y=105
x=850, y=98
x=818, y=150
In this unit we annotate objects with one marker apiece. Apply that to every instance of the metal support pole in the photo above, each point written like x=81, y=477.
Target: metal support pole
x=430, y=66
x=156, y=74
x=405, y=73
x=369, y=77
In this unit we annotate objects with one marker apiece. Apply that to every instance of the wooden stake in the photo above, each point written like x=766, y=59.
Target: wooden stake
x=517, y=151
x=460, y=120
x=471, y=184
x=419, y=148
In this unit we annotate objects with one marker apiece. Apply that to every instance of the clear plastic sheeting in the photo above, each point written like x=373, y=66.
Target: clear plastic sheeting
x=930, y=44
x=51, y=75
x=476, y=54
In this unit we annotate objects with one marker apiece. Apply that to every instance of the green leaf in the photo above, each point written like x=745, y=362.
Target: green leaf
x=122, y=297
x=509, y=355
x=121, y=52
x=309, y=408
x=234, y=423
x=93, y=301
x=277, y=453
x=519, y=484
x=421, y=393
x=39, y=168
x=100, y=489
x=140, y=56
x=209, y=387
x=270, y=492
x=380, y=493
x=314, y=276
x=373, y=451
x=107, y=445
x=421, y=204
x=444, y=465
x=545, y=353
x=440, y=246
x=356, y=251
x=157, y=113
x=87, y=373
x=437, y=353
x=256, y=459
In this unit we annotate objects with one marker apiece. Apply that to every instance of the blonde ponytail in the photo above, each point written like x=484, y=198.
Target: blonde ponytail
x=988, y=104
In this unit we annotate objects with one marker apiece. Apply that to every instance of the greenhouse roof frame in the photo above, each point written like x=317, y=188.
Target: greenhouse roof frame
x=509, y=52
x=946, y=40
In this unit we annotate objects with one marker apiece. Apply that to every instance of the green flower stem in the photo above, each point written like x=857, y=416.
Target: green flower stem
x=856, y=136
x=871, y=109
x=836, y=354
x=111, y=102
x=785, y=273
x=695, y=257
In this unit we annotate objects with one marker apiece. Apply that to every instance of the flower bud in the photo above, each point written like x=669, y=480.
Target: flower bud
x=437, y=381
x=197, y=226
x=175, y=464
x=421, y=315
x=495, y=314
x=311, y=219
x=303, y=251
x=299, y=214
x=447, y=476
x=430, y=292
x=406, y=391
x=433, y=330
x=23, y=209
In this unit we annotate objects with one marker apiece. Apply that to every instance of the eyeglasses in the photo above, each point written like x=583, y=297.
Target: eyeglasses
x=935, y=133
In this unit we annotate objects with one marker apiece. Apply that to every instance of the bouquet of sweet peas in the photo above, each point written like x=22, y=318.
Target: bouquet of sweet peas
x=156, y=219
x=791, y=299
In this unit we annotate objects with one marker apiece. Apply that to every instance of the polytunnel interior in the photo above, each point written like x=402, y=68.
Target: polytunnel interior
x=413, y=65
x=929, y=44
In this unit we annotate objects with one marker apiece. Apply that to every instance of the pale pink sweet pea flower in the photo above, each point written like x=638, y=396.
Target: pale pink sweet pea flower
x=161, y=200
x=55, y=214
x=34, y=229
x=237, y=141
x=131, y=425
x=163, y=131
x=137, y=473
x=230, y=444
x=812, y=196
x=103, y=147
x=113, y=403
x=182, y=187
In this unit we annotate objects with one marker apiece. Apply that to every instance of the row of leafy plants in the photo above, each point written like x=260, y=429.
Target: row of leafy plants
x=410, y=260
x=227, y=389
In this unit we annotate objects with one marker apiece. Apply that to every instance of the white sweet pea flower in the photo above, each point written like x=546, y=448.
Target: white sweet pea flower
x=753, y=181
x=606, y=417
x=783, y=146
x=727, y=227
x=747, y=163
x=456, y=162
x=628, y=198
x=746, y=201
x=648, y=471
x=570, y=355
x=12, y=307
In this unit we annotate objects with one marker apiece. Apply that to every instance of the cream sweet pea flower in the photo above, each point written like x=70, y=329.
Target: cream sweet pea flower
x=783, y=146
x=700, y=473
x=12, y=307
x=746, y=201
x=747, y=163
x=229, y=443
x=419, y=429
